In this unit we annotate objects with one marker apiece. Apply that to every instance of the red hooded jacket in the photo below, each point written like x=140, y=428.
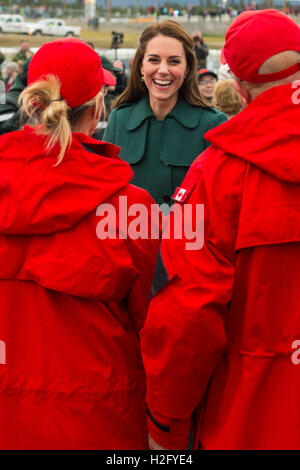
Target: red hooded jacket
x=222, y=335
x=71, y=375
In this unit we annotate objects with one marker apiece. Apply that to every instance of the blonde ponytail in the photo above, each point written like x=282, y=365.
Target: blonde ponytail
x=50, y=115
x=41, y=103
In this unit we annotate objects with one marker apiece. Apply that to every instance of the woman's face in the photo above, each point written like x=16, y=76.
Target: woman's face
x=164, y=68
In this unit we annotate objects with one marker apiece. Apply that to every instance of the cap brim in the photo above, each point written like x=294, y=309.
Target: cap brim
x=222, y=57
x=108, y=78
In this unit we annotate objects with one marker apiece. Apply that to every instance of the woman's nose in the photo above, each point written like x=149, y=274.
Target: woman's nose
x=163, y=67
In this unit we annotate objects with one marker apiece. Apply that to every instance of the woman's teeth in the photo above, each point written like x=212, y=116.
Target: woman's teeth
x=163, y=82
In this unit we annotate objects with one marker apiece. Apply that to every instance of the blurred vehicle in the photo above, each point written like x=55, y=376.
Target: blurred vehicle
x=13, y=24
x=53, y=27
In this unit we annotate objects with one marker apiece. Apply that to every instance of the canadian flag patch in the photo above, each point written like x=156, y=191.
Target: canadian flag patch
x=180, y=194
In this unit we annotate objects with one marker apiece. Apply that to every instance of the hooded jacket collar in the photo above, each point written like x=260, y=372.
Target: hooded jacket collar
x=37, y=197
x=266, y=134
x=184, y=113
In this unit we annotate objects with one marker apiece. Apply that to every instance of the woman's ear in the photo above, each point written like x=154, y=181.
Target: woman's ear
x=98, y=113
x=92, y=118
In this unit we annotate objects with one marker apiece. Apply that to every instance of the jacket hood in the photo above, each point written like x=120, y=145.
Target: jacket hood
x=37, y=197
x=41, y=207
x=265, y=134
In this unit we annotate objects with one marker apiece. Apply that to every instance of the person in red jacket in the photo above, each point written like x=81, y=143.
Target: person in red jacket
x=221, y=340
x=73, y=296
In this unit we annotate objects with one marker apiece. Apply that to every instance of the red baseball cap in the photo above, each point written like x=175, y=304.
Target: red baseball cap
x=222, y=57
x=77, y=66
x=239, y=19
x=108, y=78
x=254, y=37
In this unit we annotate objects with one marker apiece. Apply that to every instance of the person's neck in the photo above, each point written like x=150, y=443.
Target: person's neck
x=161, y=108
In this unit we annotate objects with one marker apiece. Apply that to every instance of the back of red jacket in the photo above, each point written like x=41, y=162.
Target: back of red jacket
x=73, y=301
x=231, y=308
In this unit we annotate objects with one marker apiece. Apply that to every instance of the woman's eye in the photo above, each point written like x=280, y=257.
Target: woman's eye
x=174, y=61
x=153, y=59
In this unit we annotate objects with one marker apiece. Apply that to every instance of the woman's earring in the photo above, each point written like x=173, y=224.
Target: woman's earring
x=142, y=78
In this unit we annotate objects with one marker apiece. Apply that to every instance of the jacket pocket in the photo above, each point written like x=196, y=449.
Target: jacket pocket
x=133, y=143
x=270, y=211
x=268, y=226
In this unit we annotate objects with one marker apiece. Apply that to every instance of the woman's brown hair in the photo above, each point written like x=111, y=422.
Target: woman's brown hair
x=137, y=89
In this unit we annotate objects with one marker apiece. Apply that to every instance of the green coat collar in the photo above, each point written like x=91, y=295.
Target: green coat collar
x=187, y=115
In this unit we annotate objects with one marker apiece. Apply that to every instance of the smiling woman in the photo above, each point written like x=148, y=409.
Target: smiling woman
x=163, y=69
x=160, y=119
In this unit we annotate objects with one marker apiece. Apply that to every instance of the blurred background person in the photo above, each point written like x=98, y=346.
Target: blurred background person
x=24, y=53
x=226, y=98
x=109, y=84
x=11, y=75
x=159, y=121
x=201, y=49
x=109, y=65
x=207, y=80
x=9, y=111
x=121, y=77
x=111, y=91
x=224, y=72
x=2, y=59
x=20, y=66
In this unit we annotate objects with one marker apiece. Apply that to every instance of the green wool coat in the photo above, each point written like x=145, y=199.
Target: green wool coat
x=160, y=152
